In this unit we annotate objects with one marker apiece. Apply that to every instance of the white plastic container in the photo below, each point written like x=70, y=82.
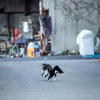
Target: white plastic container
x=87, y=46
x=22, y=51
x=86, y=42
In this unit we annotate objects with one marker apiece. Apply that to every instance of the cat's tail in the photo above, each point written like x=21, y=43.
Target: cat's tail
x=58, y=69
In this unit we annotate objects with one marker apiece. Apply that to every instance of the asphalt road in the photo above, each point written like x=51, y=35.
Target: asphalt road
x=21, y=80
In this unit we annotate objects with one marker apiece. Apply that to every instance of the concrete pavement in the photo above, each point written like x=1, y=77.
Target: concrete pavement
x=21, y=80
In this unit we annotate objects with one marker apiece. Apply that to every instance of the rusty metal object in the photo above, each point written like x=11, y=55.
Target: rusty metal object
x=41, y=35
x=40, y=7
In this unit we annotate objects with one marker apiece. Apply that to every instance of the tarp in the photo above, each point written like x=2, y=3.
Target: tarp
x=46, y=25
x=32, y=45
x=92, y=56
x=21, y=41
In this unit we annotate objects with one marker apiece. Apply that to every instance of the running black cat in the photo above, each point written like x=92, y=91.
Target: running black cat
x=47, y=70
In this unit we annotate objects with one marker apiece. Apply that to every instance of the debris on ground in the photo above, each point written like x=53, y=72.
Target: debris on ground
x=62, y=53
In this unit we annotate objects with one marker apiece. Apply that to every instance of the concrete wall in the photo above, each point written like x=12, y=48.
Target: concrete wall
x=65, y=30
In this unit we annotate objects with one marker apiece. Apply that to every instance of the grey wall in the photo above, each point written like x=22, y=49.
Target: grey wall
x=65, y=30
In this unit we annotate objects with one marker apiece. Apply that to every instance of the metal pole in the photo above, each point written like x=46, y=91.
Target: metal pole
x=8, y=25
x=41, y=37
x=40, y=7
x=25, y=11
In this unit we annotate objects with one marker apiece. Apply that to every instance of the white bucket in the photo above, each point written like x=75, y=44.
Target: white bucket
x=22, y=51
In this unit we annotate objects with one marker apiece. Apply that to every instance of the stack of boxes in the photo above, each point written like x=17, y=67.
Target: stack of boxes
x=3, y=46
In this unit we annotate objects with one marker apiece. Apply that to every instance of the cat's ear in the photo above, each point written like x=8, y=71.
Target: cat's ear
x=44, y=63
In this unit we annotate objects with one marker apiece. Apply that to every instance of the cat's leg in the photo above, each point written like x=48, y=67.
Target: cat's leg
x=46, y=73
x=42, y=73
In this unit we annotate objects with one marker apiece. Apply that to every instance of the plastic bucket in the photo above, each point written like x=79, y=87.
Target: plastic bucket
x=31, y=52
x=22, y=51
